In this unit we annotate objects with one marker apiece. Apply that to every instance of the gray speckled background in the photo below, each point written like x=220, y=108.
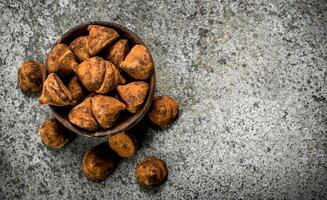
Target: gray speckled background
x=250, y=79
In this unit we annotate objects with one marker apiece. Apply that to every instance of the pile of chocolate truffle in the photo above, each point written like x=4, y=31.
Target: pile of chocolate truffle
x=99, y=78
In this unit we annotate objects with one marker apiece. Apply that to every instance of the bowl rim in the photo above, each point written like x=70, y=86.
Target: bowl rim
x=134, y=119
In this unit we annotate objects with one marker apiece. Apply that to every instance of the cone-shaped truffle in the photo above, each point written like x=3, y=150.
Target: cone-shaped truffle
x=133, y=94
x=55, y=135
x=118, y=51
x=30, y=76
x=82, y=115
x=91, y=73
x=99, y=162
x=99, y=38
x=80, y=48
x=55, y=93
x=61, y=60
x=123, y=144
x=151, y=172
x=111, y=79
x=75, y=89
x=163, y=110
x=138, y=63
x=106, y=110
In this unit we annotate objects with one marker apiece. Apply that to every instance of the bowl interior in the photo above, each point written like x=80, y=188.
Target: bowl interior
x=125, y=122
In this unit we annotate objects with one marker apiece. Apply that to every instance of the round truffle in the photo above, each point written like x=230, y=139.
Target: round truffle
x=123, y=144
x=99, y=162
x=163, y=110
x=30, y=75
x=55, y=135
x=151, y=172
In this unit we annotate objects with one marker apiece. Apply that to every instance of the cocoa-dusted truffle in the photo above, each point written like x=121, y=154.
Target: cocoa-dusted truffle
x=30, y=76
x=91, y=73
x=106, y=110
x=138, y=63
x=99, y=38
x=82, y=116
x=75, y=89
x=99, y=162
x=80, y=48
x=55, y=135
x=111, y=79
x=55, y=93
x=118, y=51
x=124, y=144
x=151, y=172
x=133, y=94
x=61, y=60
x=163, y=110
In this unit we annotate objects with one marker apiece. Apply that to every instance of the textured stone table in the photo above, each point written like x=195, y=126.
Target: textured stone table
x=250, y=79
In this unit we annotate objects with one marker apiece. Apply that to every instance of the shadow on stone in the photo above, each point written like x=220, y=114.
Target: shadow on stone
x=142, y=132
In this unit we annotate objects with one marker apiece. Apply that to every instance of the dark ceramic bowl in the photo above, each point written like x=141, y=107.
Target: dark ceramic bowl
x=128, y=121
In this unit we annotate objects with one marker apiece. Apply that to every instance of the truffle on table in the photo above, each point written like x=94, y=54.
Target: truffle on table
x=54, y=134
x=163, y=110
x=124, y=144
x=151, y=172
x=99, y=162
x=30, y=76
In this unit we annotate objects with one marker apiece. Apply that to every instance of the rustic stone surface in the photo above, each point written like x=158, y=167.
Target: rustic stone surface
x=250, y=79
